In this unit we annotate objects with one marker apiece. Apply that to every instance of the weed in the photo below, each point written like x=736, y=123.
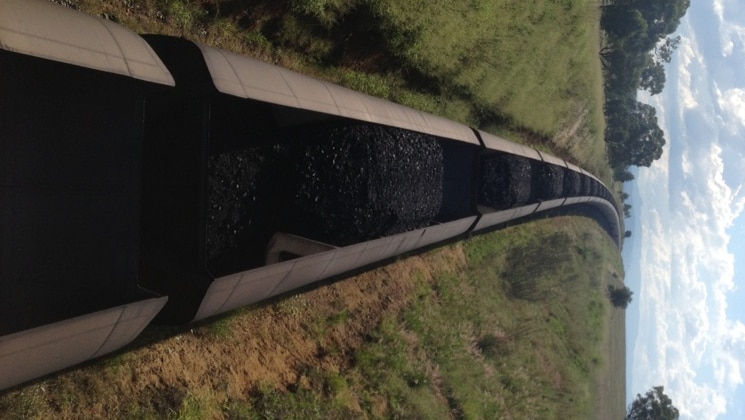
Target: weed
x=293, y=306
x=326, y=12
x=185, y=14
x=492, y=346
x=236, y=409
x=303, y=404
x=197, y=406
x=221, y=328
x=257, y=40
x=371, y=84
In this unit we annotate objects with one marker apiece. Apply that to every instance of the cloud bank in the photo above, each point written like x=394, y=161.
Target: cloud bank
x=692, y=198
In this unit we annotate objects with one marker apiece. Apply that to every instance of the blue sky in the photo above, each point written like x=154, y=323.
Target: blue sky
x=686, y=259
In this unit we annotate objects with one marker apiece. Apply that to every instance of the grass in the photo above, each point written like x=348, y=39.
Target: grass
x=510, y=324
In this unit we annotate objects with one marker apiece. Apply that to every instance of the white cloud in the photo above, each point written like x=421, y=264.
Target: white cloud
x=687, y=271
x=729, y=30
x=685, y=164
x=687, y=53
x=685, y=340
x=731, y=103
x=718, y=6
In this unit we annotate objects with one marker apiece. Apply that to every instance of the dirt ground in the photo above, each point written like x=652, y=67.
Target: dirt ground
x=611, y=379
x=227, y=358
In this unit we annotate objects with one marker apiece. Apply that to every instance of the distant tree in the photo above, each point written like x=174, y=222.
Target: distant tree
x=641, y=24
x=643, y=140
x=627, y=234
x=662, y=16
x=627, y=210
x=620, y=297
x=663, y=52
x=654, y=405
x=622, y=21
x=623, y=175
x=653, y=78
x=639, y=44
x=625, y=195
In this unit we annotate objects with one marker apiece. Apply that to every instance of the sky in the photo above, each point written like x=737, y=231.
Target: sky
x=686, y=259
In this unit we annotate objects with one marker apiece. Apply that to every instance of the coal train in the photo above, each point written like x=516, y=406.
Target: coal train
x=150, y=178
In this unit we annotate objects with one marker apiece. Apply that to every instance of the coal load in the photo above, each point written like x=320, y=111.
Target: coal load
x=504, y=181
x=549, y=181
x=572, y=183
x=244, y=192
x=586, y=185
x=229, y=185
x=360, y=182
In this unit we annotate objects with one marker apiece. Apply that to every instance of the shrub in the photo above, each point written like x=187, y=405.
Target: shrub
x=620, y=297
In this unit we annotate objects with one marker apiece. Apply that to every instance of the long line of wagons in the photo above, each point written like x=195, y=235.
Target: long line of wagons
x=152, y=178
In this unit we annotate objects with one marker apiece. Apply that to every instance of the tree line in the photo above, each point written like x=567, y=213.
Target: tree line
x=639, y=44
x=653, y=405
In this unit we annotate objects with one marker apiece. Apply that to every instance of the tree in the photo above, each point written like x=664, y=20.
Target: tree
x=622, y=21
x=623, y=175
x=626, y=210
x=639, y=44
x=662, y=16
x=653, y=75
x=654, y=405
x=627, y=234
x=620, y=297
x=663, y=52
x=640, y=142
x=653, y=78
x=641, y=24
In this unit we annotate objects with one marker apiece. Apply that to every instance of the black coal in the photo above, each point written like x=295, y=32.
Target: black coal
x=340, y=185
x=504, y=181
x=572, y=184
x=360, y=182
x=549, y=184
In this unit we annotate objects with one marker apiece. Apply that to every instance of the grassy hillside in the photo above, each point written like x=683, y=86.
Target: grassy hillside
x=512, y=324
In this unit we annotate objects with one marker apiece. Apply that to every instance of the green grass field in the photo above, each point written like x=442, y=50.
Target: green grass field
x=513, y=324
